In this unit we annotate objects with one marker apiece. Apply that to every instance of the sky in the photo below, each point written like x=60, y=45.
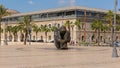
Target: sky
x=35, y=5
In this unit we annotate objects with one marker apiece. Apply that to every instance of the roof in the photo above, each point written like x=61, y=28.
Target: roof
x=12, y=11
x=58, y=10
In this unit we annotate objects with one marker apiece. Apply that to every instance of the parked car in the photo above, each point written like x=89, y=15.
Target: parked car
x=52, y=41
x=31, y=40
x=40, y=40
x=117, y=44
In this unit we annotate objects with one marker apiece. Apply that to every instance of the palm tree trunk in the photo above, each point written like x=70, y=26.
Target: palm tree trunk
x=98, y=37
x=72, y=33
x=25, y=38
x=79, y=37
x=14, y=36
x=10, y=37
x=46, y=36
x=104, y=36
x=36, y=36
x=69, y=29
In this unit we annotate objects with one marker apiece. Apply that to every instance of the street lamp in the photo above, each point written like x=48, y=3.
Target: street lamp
x=114, y=53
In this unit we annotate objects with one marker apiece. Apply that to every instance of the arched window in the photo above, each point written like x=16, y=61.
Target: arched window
x=49, y=37
x=116, y=37
x=41, y=26
x=45, y=25
x=92, y=37
x=101, y=38
x=58, y=26
x=49, y=25
x=33, y=37
x=41, y=37
x=82, y=38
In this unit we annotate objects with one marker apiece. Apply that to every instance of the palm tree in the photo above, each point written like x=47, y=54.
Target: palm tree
x=97, y=26
x=15, y=30
x=109, y=17
x=9, y=29
x=46, y=30
x=118, y=19
x=3, y=12
x=53, y=28
x=118, y=28
x=36, y=29
x=21, y=29
x=26, y=24
x=78, y=24
x=68, y=24
x=104, y=29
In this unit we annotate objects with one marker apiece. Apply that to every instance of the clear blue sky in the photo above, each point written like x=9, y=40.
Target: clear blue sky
x=33, y=5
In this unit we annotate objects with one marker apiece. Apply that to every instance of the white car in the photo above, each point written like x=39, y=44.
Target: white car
x=117, y=44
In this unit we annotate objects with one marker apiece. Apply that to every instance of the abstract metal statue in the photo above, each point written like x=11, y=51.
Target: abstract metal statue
x=61, y=38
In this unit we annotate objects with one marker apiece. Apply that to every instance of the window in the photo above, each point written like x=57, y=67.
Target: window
x=43, y=15
x=92, y=37
x=49, y=37
x=41, y=37
x=33, y=37
x=52, y=15
x=58, y=25
x=80, y=13
x=82, y=38
x=101, y=38
x=41, y=26
x=35, y=16
x=49, y=25
x=70, y=13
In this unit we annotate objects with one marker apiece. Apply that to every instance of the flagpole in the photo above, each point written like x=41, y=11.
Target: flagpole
x=114, y=53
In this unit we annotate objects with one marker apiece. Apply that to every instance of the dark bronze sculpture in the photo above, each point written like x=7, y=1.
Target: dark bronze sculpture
x=61, y=38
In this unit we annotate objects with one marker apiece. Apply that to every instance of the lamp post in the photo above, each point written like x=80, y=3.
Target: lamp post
x=114, y=53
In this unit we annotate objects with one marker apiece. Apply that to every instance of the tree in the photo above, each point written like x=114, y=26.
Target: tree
x=46, y=30
x=9, y=29
x=97, y=26
x=104, y=29
x=26, y=24
x=78, y=24
x=118, y=28
x=36, y=29
x=3, y=12
x=15, y=30
x=68, y=24
x=53, y=28
x=118, y=19
x=109, y=17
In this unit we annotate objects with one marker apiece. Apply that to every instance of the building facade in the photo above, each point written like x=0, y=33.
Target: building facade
x=58, y=17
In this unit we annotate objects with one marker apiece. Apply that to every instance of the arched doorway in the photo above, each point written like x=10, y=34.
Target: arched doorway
x=92, y=38
x=82, y=38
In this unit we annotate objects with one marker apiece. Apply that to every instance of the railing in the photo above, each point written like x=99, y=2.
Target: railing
x=55, y=18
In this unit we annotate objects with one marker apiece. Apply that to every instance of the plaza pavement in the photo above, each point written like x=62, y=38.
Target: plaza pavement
x=42, y=55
